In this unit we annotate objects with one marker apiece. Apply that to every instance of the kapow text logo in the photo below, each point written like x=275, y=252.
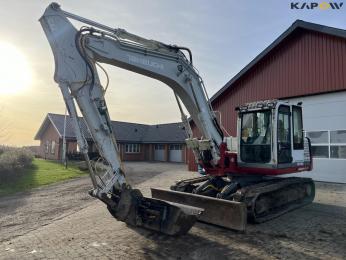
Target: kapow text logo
x=317, y=6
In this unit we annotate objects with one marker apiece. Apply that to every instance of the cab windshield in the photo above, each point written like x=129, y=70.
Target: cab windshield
x=255, y=143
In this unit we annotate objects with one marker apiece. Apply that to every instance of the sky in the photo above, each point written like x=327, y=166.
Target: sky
x=224, y=36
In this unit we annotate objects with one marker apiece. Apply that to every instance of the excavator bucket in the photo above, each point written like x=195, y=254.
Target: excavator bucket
x=225, y=213
x=173, y=219
x=166, y=217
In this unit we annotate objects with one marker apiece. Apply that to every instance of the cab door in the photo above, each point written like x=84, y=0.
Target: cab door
x=297, y=135
x=284, y=145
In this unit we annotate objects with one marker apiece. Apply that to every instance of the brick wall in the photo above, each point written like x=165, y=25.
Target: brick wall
x=47, y=139
x=146, y=150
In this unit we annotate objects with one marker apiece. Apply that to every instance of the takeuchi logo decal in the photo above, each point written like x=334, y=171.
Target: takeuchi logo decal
x=317, y=6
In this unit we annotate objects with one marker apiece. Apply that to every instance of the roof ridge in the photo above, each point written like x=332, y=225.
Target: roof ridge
x=166, y=124
x=124, y=131
x=117, y=121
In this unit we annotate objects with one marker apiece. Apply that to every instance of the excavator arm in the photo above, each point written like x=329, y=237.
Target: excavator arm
x=76, y=54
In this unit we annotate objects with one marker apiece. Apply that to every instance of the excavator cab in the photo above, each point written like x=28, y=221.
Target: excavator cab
x=271, y=137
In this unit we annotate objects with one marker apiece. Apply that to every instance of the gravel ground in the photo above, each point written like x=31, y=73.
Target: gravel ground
x=26, y=211
x=62, y=222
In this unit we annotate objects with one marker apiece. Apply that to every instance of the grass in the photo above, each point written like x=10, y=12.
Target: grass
x=40, y=173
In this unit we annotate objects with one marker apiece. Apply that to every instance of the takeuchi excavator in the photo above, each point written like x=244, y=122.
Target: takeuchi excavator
x=241, y=176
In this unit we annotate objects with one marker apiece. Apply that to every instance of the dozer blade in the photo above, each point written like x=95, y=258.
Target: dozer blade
x=225, y=213
x=166, y=217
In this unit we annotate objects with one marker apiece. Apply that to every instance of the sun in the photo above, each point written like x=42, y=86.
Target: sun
x=15, y=73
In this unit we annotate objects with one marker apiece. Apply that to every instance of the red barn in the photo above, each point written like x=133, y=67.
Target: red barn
x=306, y=63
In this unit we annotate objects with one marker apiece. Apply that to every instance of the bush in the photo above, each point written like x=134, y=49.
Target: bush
x=4, y=148
x=12, y=159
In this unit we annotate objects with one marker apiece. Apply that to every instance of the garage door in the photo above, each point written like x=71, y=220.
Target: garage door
x=175, y=153
x=325, y=124
x=159, y=152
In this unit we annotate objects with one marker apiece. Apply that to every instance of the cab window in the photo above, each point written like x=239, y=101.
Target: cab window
x=284, y=135
x=298, y=138
x=255, y=143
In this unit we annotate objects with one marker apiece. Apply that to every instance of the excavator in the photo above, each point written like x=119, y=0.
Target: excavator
x=241, y=176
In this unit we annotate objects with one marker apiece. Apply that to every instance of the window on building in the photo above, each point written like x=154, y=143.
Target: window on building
x=338, y=151
x=132, y=148
x=52, y=149
x=318, y=137
x=338, y=144
x=159, y=147
x=175, y=147
x=46, y=148
x=319, y=143
x=328, y=144
x=337, y=137
x=320, y=151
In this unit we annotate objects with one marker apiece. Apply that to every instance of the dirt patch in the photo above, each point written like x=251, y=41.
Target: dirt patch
x=26, y=211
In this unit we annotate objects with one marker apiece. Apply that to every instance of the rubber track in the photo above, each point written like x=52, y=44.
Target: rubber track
x=271, y=191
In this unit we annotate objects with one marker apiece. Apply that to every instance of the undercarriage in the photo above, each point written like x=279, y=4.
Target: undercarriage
x=256, y=198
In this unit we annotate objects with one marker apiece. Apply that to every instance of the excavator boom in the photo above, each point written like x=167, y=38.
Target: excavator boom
x=76, y=54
